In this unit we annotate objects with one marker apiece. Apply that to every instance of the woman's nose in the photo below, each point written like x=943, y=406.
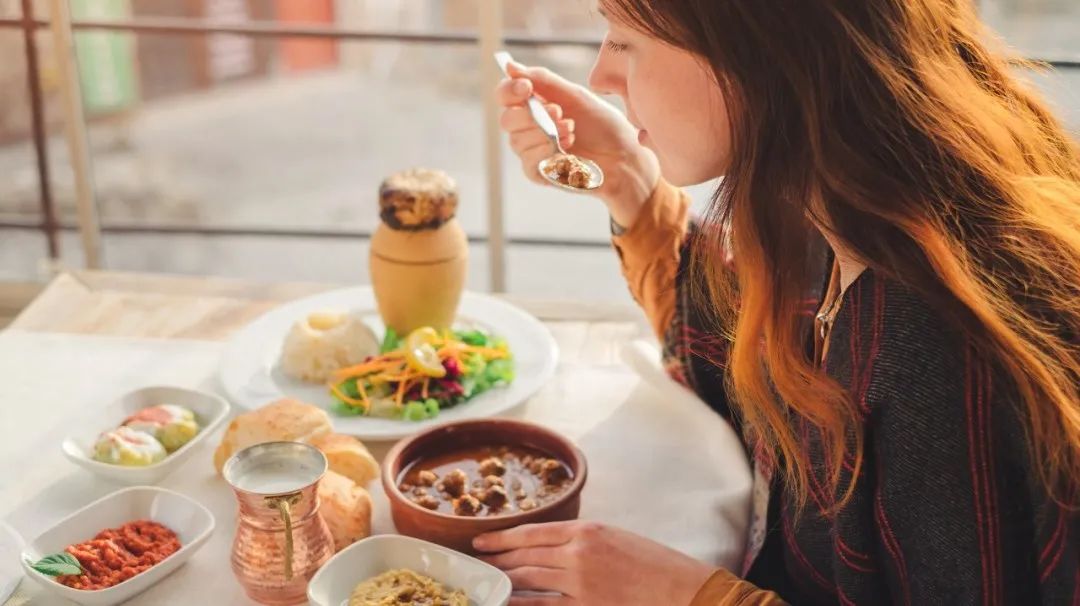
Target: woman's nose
x=605, y=79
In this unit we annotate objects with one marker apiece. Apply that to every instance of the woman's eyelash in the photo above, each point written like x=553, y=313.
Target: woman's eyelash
x=615, y=47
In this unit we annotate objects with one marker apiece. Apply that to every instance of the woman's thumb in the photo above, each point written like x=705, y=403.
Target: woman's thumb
x=544, y=81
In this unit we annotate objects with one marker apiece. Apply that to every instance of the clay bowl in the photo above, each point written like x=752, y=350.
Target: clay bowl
x=457, y=532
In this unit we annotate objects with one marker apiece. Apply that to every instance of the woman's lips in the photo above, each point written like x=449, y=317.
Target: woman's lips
x=642, y=136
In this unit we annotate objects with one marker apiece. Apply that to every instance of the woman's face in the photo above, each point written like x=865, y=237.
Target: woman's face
x=672, y=97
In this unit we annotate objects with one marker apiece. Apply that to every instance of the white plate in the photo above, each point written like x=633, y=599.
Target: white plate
x=191, y=522
x=484, y=584
x=210, y=410
x=252, y=377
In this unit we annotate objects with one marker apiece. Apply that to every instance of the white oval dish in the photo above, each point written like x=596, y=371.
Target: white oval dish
x=484, y=584
x=251, y=374
x=191, y=522
x=210, y=410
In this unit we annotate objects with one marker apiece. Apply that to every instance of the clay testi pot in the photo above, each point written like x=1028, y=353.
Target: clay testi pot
x=419, y=253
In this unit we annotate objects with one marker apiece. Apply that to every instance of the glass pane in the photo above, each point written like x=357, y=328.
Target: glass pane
x=280, y=146
x=19, y=191
x=10, y=9
x=331, y=261
x=1062, y=90
x=1044, y=29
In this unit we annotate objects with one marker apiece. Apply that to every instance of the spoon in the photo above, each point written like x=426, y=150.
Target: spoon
x=546, y=124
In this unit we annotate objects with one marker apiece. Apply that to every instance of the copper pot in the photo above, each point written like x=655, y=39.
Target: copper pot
x=281, y=539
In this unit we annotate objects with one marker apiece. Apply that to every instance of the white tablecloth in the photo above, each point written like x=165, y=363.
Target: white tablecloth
x=660, y=463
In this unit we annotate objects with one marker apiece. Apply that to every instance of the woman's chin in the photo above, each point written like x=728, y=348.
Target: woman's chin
x=684, y=173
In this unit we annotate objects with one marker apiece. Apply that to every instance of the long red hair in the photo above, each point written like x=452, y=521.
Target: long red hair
x=892, y=123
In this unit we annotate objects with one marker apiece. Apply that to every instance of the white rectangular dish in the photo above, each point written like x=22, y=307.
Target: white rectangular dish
x=210, y=410
x=192, y=523
x=484, y=584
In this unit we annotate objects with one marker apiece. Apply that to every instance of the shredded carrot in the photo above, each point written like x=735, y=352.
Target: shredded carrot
x=363, y=393
x=392, y=367
x=404, y=377
x=366, y=368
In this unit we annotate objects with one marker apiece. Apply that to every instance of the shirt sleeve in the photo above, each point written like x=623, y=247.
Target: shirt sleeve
x=725, y=589
x=649, y=252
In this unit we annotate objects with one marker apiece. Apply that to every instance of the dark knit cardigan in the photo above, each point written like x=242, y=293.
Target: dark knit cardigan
x=947, y=509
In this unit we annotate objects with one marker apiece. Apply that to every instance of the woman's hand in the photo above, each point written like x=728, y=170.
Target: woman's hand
x=589, y=127
x=593, y=564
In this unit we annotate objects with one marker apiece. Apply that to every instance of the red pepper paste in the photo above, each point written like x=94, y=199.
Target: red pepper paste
x=117, y=554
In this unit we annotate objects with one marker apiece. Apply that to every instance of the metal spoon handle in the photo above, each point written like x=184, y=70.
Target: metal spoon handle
x=544, y=121
x=539, y=114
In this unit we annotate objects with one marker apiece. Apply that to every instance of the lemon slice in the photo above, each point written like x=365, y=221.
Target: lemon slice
x=420, y=352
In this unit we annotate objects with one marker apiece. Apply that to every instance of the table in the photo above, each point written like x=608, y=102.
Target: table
x=100, y=332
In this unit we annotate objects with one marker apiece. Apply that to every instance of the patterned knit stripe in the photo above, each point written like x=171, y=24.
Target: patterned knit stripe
x=976, y=397
x=816, y=488
x=848, y=551
x=892, y=545
x=1076, y=590
x=984, y=398
x=855, y=341
x=844, y=600
x=875, y=341
x=793, y=546
x=976, y=478
x=1051, y=554
x=854, y=565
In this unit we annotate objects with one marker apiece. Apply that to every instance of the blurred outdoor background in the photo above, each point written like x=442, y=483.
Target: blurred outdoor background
x=277, y=146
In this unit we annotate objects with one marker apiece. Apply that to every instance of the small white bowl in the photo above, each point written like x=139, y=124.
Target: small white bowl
x=484, y=584
x=191, y=522
x=210, y=410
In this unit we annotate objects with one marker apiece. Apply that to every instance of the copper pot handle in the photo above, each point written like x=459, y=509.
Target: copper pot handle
x=284, y=506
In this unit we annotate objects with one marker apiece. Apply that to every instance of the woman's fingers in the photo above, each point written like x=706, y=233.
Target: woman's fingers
x=523, y=141
x=519, y=118
x=551, y=534
x=547, y=557
x=537, y=578
x=541, y=600
x=513, y=91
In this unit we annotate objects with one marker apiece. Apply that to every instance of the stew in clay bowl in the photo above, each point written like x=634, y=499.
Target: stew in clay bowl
x=456, y=481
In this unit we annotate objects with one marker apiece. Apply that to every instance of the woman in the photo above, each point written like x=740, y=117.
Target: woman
x=920, y=437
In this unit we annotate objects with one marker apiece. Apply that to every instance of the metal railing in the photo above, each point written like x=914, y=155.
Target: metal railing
x=489, y=35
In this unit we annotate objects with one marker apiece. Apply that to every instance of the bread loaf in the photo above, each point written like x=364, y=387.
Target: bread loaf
x=348, y=457
x=284, y=420
x=346, y=508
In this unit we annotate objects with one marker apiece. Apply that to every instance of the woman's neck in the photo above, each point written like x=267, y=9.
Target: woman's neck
x=850, y=265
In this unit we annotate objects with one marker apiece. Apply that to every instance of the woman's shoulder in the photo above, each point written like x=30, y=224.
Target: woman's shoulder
x=895, y=346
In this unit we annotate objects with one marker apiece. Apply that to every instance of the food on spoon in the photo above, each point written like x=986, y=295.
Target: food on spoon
x=323, y=342
x=128, y=447
x=568, y=169
x=400, y=587
x=455, y=482
x=415, y=378
x=113, y=556
x=172, y=425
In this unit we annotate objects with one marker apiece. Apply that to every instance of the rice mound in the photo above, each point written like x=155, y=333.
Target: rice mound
x=323, y=342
